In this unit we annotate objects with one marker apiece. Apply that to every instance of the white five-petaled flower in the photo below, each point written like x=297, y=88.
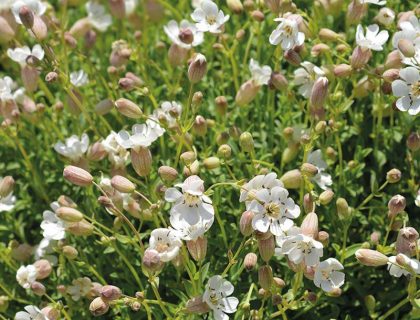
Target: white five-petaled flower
x=117, y=153
x=287, y=34
x=208, y=17
x=191, y=205
x=306, y=76
x=8, y=91
x=166, y=242
x=385, y=16
x=260, y=74
x=80, y=287
x=97, y=16
x=143, y=135
x=187, y=231
x=322, y=178
x=53, y=227
x=327, y=277
x=31, y=313
x=373, y=39
x=302, y=248
x=217, y=297
x=45, y=249
x=20, y=55
x=410, y=30
x=74, y=147
x=26, y=275
x=408, y=90
x=184, y=35
x=396, y=270
x=37, y=7
x=274, y=210
x=257, y=183
x=377, y=2
x=168, y=113
x=79, y=78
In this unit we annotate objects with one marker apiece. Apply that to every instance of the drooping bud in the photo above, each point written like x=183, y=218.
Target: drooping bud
x=413, y=141
x=406, y=241
x=308, y=203
x=141, y=161
x=110, y=293
x=319, y=49
x=221, y=105
x=326, y=197
x=235, y=5
x=342, y=70
x=245, y=224
x=69, y=214
x=7, y=32
x=396, y=204
x=292, y=57
x=188, y=157
x=309, y=225
x=309, y=170
x=43, y=269
x=70, y=252
x=355, y=11
x=265, y=277
x=151, y=261
x=406, y=47
x=77, y=176
x=6, y=186
x=266, y=248
x=81, y=228
x=371, y=258
x=390, y=75
x=211, y=163
x=323, y=237
x=393, y=60
x=360, y=57
x=278, y=81
x=96, y=152
x=328, y=35
x=292, y=179
x=246, y=142
x=197, y=248
x=343, y=209
x=279, y=283
x=250, y=261
x=26, y=16
x=197, y=69
x=246, y=93
x=51, y=313
x=393, y=175
x=38, y=288
x=177, y=55
x=167, y=173
x=200, y=126
x=122, y=184
x=98, y=307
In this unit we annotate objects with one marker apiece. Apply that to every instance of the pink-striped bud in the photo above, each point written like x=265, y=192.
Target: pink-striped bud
x=246, y=93
x=342, y=70
x=266, y=248
x=250, y=261
x=122, y=184
x=43, y=269
x=245, y=223
x=177, y=55
x=265, y=277
x=360, y=57
x=309, y=225
x=77, y=176
x=197, y=69
x=371, y=258
x=197, y=248
x=110, y=293
x=141, y=161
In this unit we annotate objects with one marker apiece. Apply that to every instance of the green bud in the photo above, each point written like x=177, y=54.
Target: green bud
x=246, y=142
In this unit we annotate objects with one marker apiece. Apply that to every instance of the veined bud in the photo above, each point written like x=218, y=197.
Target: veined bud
x=192, y=169
x=246, y=142
x=292, y=179
x=290, y=153
x=70, y=252
x=393, y=175
x=177, y=55
x=371, y=258
x=126, y=84
x=110, y=293
x=342, y=70
x=292, y=57
x=197, y=248
x=135, y=306
x=326, y=197
x=309, y=225
x=308, y=170
x=211, y=163
x=360, y=57
x=393, y=60
x=235, y=5
x=197, y=99
x=266, y=248
x=355, y=11
x=39, y=28
x=328, y=35
x=65, y=201
x=257, y=15
x=246, y=93
x=319, y=49
x=278, y=81
x=323, y=237
x=390, y=75
x=250, y=261
x=81, y=228
x=98, y=307
x=188, y=157
x=245, y=224
x=200, y=126
x=265, y=277
x=396, y=204
x=308, y=203
x=51, y=313
x=276, y=299
x=30, y=77
x=96, y=152
x=240, y=34
x=122, y=184
x=279, y=283
x=27, y=17
x=6, y=186
x=221, y=105
x=151, y=261
x=197, y=305
x=38, y=288
x=167, y=173
x=69, y=214
x=197, y=69
x=375, y=237
x=77, y=176
x=406, y=47
x=117, y=8
x=43, y=269
x=224, y=151
x=7, y=33
x=406, y=241
x=413, y=141
x=343, y=209
x=104, y=106
x=141, y=161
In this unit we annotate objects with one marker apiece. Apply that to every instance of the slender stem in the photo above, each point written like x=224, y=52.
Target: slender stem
x=233, y=261
x=394, y=309
x=159, y=299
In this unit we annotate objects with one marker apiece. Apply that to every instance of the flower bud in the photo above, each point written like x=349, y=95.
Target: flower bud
x=278, y=81
x=246, y=93
x=221, y=105
x=319, y=49
x=117, y=8
x=211, y=163
x=265, y=277
x=406, y=241
x=81, y=228
x=355, y=11
x=70, y=252
x=326, y=197
x=360, y=57
x=343, y=209
x=342, y=70
x=110, y=293
x=122, y=184
x=257, y=15
x=292, y=179
x=266, y=248
x=141, y=160
x=98, y=307
x=43, y=269
x=396, y=204
x=151, y=261
x=393, y=60
x=188, y=157
x=51, y=313
x=224, y=151
x=38, y=288
x=192, y=169
x=235, y=5
x=177, y=55
x=6, y=186
x=328, y=35
x=26, y=16
x=245, y=224
x=292, y=57
x=308, y=203
x=77, y=176
x=279, y=283
x=197, y=305
x=413, y=141
x=69, y=214
x=385, y=17
x=250, y=261
x=246, y=142
x=406, y=47
x=371, y=258
x=96, y=152
x=393, y=175
x=7, y=33
x=197, y=248
x=323, y=237
x=128, y=108
x=197, y=69
x=200, y=126
x=39, y=28
x=167, y=173
x=309, y=225
x=308, y=170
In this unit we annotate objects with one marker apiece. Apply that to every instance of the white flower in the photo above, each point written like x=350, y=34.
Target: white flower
x=385, y=16
x=54, y=228
x=168, y=113
x=192, y=204
x=287, y=34
x=217, y=297
x=73, y=148
x=38, y=8
x=26, y=275
x=175, y=33
x=273, y=210
x=410, y=30
x=257, y=183
x=302, y=248
x=377, y=2
x=293, y=230
x=80, y=288
x=117, y=153
x=79, y=78
x=408, y=90
x=327, y=277
x=306, y=76
x=187, y=231
x=45, y=249
x=97, y=16
x=143, y=135
x=8, y=92
x=20, y=55
x=7, y=203
x=30, y=313
x=417, y=200
x=260, y=75
x=166, y=242
x=322, y=178
x=208, y=17
x=397, y=271
x=373, y=39
x=130, y=6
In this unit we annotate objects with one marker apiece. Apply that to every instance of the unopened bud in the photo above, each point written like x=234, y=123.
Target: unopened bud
x=211, y=163
x=371, y=258
x=413, y=141
x=98, y=307
x=323, y=237
x=110, y=293
x=257, y=15
x=342, y=70
x=197, y=305
x=117, y=8
x=235, y=5
x=266, y=248
x=188, y=157
x=265, y=277
x=151, y=261
x=221, y=105
x=51, y=313
x=81, y=228
x=406, y=47
x=250, y=261
x=197, y=69
x=69, y=214
x=122, y=184
x=292, y=57
x=308, y=203
x=319, y=49
x=393, y=175
x=360, y=57
x=308, y=170
x=278, y=81
x=77, y=176
x=6, y=186
x=390, y=75
x=246, y=93
x=396, y=204
x=309, y=225
x=26, y=16
x=197, y=248
x=328, y=35
x=224, y=151
x=70, y=252
x=245, y=224
x=43, y=269
x=393, y=60
x=246, y=142
x=200, y=126
x=167, y=173
x=292, y=179
x=38, y=288
x=343, y=209
x=177, y=55
x=141, y=160
x=279, y=283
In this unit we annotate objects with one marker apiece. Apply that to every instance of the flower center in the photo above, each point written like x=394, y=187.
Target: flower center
x=272, y=209
x=288, y=30
x=191, y=200
x=325, y=274
x=415, y=89
x=162, y=247
x=213, y=299
x=211, y=19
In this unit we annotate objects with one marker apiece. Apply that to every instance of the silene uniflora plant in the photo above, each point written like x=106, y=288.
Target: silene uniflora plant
x=226, y=159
